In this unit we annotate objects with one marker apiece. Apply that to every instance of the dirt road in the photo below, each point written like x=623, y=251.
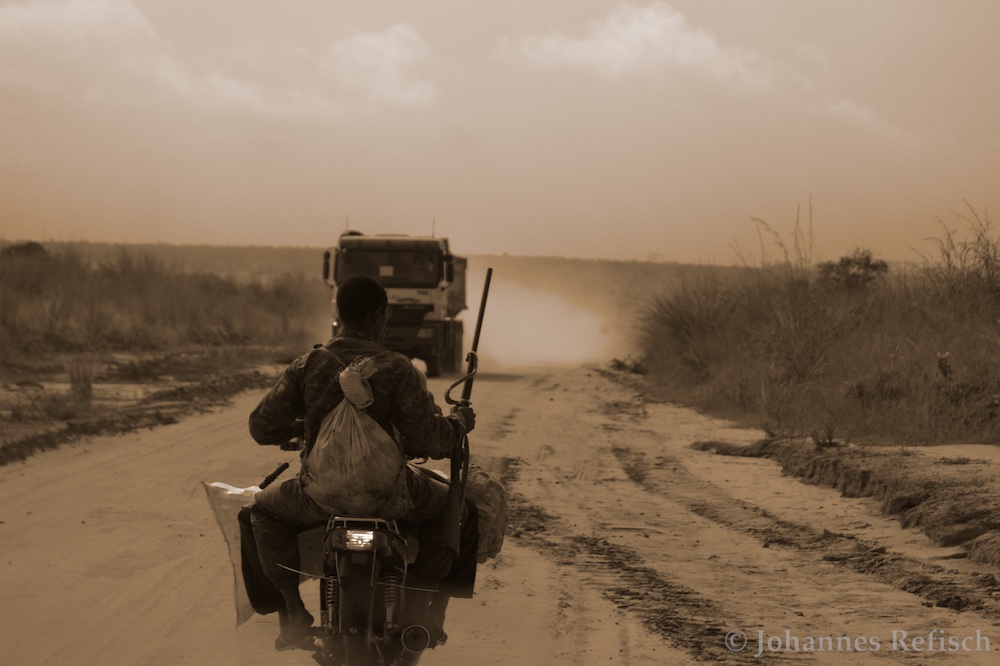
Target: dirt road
x=627, y=546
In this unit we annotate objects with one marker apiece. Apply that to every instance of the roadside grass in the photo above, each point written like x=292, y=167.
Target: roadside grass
x=849, y=351
x=60, y=302
x=77, y=324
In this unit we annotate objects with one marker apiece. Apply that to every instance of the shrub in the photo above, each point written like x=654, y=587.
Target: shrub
x=57, y=301
x=854, y=271
x=841, y=347
x=30, y=249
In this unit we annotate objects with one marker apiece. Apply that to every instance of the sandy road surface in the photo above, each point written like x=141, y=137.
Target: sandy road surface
x=627, y=547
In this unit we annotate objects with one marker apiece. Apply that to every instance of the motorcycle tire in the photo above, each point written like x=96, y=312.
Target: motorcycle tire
x=357, y=648
x=359, y=651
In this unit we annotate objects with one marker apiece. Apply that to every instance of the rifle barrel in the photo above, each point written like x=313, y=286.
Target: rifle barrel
x=467, y=389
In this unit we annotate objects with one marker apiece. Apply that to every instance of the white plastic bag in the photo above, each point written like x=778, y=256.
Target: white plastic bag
x=226, y=502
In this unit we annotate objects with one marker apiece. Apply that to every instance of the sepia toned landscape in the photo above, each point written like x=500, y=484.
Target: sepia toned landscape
x=653, y=513
x=739, y=368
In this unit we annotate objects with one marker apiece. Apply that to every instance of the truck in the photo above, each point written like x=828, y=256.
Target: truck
x=425, y=284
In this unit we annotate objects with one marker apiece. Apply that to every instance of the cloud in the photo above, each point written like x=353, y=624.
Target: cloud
x=378, y=65
x=73, y=48
x=72, y=19
x=634, y=40
x=870, y=120
x=362, y=70
x=106, y=51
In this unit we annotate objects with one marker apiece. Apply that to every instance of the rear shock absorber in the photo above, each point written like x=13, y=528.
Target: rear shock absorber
x=331, y=597
x=390, y=595
x=330, y=620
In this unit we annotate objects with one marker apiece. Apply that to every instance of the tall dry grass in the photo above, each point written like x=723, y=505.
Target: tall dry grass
x=62, y=302
x=907, y=356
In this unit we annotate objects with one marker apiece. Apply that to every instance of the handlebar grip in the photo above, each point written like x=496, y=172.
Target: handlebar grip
x=269, y=479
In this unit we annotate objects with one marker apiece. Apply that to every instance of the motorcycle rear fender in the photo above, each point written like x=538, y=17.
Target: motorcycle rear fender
x=353, y=547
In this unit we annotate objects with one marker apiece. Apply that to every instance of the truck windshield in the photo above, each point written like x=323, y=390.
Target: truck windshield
x=419, y=268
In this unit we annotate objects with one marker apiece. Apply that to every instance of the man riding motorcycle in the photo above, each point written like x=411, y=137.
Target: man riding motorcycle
x=296, y=406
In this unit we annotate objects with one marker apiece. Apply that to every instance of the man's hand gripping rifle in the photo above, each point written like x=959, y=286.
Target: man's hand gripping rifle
x=460, y=455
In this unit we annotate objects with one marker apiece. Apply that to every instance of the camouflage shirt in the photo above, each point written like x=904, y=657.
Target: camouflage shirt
x=309, y=389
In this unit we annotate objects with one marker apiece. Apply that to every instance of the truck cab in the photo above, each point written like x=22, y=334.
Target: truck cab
x=425, y=284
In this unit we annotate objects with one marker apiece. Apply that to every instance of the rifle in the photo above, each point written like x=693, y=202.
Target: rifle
x=460, y=454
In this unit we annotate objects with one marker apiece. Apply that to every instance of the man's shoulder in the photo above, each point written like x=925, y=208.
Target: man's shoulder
x=349, y=350
x=389, y=357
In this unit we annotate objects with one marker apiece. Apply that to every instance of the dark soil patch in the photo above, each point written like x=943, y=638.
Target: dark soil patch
x=953, y=504
x=167, y=387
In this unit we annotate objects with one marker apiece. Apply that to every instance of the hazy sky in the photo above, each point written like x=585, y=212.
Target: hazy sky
x=544, y=127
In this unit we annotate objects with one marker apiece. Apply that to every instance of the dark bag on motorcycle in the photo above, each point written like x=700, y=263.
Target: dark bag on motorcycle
x=490, y=499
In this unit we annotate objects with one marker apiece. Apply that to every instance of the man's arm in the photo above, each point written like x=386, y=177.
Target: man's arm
x=423, y=430
x=278, y=416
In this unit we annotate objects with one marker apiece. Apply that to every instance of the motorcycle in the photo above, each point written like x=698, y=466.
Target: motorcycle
x=364, y=598
x=369, y=615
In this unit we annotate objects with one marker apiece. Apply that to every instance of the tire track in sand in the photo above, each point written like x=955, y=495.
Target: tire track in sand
x=676, y=560
x=940, y=587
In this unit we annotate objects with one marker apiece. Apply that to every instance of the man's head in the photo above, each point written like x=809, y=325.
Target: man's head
x=362, y=304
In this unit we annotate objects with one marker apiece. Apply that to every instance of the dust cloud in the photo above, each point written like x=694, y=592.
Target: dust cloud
x=531, y=320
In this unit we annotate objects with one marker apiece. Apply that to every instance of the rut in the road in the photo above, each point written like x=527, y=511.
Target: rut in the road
x=680, y=614
x=666, y=477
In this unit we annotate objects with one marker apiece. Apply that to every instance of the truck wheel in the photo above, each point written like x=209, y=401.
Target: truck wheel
x=453, y=352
